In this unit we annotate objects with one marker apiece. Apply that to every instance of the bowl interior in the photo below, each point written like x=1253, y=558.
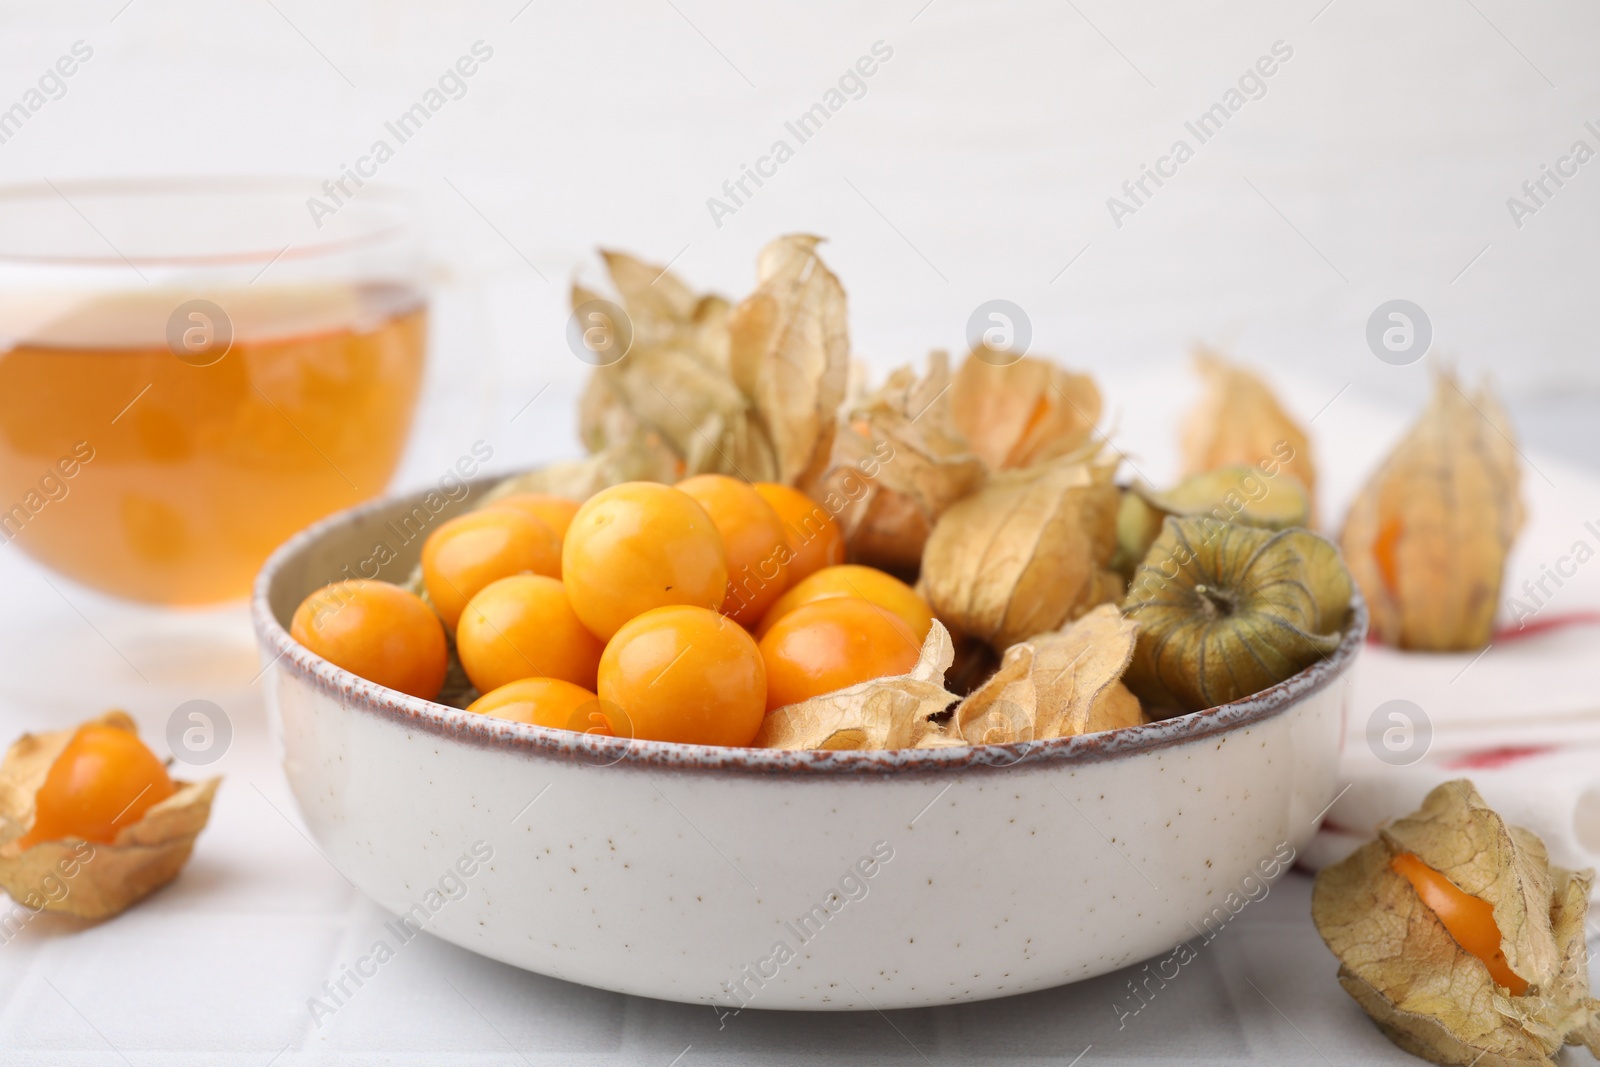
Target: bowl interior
x=383, y=540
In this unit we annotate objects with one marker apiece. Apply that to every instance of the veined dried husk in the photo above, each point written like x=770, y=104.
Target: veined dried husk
x=1428, y=536
x=1022, y=413
x=76, y=877
x=1057, y=684
x=664, y=316
x=888, y=712
x=1255, y=496
x=752, y=391
x=1240, y=421
x=975, y=661
x=674, y=387
x=898, y=462
x=1026, y=553
x=693, y=406
x=1428, y=994
x=790, y=354
x=1227, y=610
x=666, y=312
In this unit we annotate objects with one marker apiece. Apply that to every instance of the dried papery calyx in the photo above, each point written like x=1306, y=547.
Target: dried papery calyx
x=1460, y=940
x=705, y=387
x=1056, y=684
x=1428, y=536
x=672, y=392
x=670, y=396
x=1240, y=422
x=898, y=462
x=664, y=311
x=789, y=353
x=1018, y=413
x=1227, y=610
x=975, y=661
x=1028, y=552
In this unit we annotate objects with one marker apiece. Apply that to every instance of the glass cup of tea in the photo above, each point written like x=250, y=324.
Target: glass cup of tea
x=192, y=370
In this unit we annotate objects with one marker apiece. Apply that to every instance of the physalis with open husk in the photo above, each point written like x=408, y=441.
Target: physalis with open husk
x=1428, y=536
x=1227, y=610
x=1024, y=411
x=1239, y=421
x=1057, y=684
x=90, y=823
x=892, y=712
x=929, y=440
x=1459, y=939
x=1028, y=552
x=898, y=462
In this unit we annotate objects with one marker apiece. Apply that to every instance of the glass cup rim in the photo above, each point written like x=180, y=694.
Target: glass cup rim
x=391, y=201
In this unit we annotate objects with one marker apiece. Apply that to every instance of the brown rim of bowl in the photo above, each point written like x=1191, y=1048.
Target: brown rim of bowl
x=358, y=694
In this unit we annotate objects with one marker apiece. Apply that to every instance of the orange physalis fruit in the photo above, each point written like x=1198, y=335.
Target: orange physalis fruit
x=1469, y=919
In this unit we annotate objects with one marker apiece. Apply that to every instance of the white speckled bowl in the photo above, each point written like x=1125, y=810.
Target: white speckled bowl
x=747, y=877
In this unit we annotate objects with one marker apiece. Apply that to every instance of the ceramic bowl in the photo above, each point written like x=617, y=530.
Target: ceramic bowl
x=774, y=879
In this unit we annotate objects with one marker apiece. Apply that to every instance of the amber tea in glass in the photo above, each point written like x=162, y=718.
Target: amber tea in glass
x=192, y=371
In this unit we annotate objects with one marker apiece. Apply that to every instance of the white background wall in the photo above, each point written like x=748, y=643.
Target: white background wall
x=977, y=165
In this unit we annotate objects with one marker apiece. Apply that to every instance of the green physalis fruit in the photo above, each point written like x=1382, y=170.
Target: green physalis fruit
x=1235, y=493
x=1138, y=526
x=1227, y=610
